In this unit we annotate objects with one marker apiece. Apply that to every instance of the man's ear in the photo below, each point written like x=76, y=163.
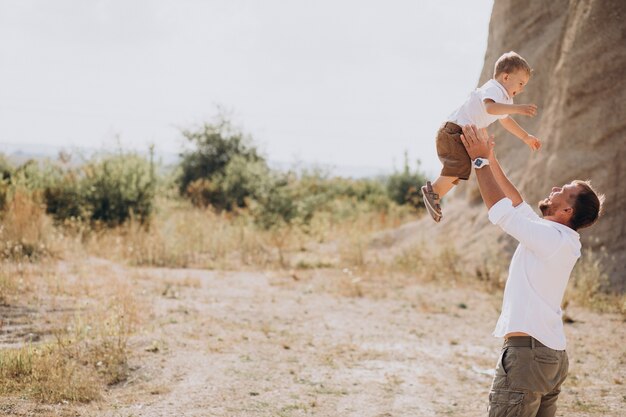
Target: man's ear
x=505, y=77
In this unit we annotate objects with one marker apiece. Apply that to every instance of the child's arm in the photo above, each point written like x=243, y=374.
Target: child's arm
x=494, y=108
x=512, y=126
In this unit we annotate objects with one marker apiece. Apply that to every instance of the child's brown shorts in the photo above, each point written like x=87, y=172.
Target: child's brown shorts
x=452, y=154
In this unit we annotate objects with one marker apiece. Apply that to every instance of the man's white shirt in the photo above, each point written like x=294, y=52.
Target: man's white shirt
x=538, y=274
x=473, y=111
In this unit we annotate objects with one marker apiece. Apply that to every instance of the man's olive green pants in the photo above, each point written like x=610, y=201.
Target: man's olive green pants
x=528, y=379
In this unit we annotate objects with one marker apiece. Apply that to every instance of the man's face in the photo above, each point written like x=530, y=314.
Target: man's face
x=560, y=199
x=515, y=82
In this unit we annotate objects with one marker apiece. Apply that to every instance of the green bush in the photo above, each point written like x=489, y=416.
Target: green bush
x=241, y=181
x=404, y=187
x=6, y=168
x=4, y=194
x=225, y=170
x=215, y=146
x=274, y=205
x=107, y=189
x=244, y=179
x=36, y=175
x=117, y=187
x=64, y=198
x=203, y=192
x=291, y=199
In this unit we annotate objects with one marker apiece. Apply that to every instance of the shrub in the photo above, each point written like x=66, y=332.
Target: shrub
x=117, y=187
x=6, y=167
x=6, y=170
x=64, y=198
x=35, y=175
x=404, y=187
x=289, y=199
x=241, y=181
x=4, y=194
x=215, y=145
x=276, y=205
x=108, y=189
x=203, y=192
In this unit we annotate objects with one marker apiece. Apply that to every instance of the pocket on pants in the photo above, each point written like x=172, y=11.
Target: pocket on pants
x=501, y=361
x=546, y=369
x=546, y=356
x=505, y=361
x=505, y=403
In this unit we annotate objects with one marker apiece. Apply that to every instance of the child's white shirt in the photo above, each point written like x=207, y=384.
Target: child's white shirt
x=473, y=111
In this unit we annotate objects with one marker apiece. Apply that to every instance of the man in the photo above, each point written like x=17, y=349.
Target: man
x=533, y=363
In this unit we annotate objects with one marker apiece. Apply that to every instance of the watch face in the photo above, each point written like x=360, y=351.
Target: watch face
x=478, y=163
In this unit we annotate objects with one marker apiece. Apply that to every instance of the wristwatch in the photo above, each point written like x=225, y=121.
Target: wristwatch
x=480, y=162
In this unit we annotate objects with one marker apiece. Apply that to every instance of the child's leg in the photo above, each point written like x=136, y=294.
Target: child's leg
x=432, y=196
x=443, y=185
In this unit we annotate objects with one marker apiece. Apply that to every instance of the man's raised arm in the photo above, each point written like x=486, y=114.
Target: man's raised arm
x=479, y=145
x=535, y=235
x=505, y=184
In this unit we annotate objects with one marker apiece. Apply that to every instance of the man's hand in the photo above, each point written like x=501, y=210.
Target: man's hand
x=532, y=142
x=529, y=110
x=477, y=142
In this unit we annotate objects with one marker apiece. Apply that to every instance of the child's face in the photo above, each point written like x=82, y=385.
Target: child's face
x=515, y=82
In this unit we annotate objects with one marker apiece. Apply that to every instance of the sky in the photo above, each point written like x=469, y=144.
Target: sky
x=343, y=83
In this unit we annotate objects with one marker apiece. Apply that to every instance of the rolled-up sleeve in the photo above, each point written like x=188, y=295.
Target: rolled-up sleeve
x=530, y=231
x=500, y=209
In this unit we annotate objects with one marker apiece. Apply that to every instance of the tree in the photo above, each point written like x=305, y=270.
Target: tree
x=215, y=146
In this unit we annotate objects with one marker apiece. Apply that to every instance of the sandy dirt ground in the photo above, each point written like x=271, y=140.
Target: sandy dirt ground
x=308, y=343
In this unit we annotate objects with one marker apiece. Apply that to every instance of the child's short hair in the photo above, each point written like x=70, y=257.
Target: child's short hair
x=509, y=63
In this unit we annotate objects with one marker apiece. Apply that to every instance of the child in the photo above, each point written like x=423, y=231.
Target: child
x=493, y=101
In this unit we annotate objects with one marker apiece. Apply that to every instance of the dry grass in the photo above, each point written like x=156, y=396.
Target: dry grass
x=89, y=348
x=589, y=285
x=16, y=282
x=46, y=373
x=83, y=345
x=8, y=287
x=25, y=230
x=446, y=266
x=184, y=236
x=442, y=264
x=28, y=234
x=82, y=327
x=181, y=235
x=75, y=367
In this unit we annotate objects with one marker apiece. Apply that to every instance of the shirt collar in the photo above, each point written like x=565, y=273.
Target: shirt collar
x=502, y=88
x=565, y=229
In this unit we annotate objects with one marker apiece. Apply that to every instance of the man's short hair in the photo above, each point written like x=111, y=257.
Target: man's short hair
x=587, y=205
x=509, y=63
